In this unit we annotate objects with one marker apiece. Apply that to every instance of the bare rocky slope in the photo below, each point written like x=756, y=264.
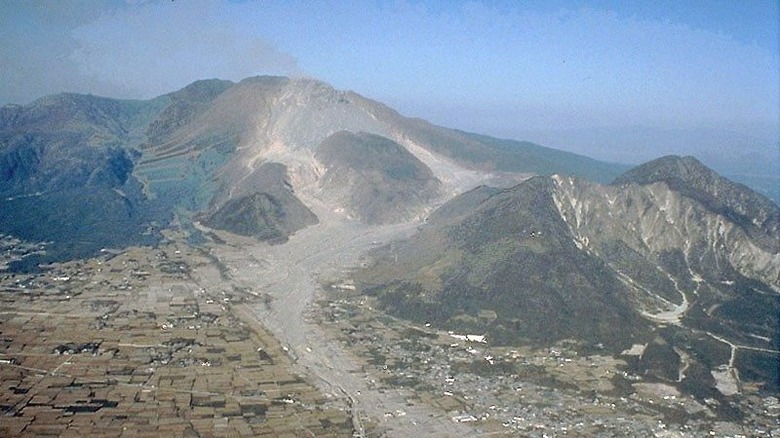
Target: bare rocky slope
x=204, y=152
x=640, y=262
x=374, y=178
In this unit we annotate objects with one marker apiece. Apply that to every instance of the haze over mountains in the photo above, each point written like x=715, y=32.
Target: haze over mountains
x=207, y=148
x=753, y=160
x=517, y=241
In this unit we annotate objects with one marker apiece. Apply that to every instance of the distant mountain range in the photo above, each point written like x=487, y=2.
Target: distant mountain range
x=753, y=160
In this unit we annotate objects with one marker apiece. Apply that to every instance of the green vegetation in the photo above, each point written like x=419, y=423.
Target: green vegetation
x=519, y=261
x=261, y=215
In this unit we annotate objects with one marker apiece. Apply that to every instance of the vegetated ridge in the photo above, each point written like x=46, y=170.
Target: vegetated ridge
x=670, y=256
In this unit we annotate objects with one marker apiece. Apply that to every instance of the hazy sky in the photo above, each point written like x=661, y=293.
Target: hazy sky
x=506, y=68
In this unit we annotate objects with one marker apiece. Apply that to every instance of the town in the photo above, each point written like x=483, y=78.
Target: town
x=132, y=344
x=527, y=391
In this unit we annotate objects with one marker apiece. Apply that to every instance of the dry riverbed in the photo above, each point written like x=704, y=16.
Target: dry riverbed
x=286, y=279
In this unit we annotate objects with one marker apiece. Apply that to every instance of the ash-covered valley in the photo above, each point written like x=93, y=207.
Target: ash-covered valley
x=276, y=257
